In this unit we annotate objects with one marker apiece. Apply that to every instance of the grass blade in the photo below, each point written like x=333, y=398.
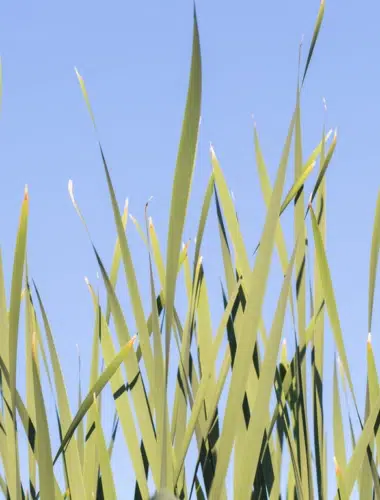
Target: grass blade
x=317, y=28
x=102, y=381
x=258, y=281
x=375, y=247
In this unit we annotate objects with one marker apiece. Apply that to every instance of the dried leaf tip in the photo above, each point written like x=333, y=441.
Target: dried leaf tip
x=126, y=204
x=70, y=187
x=212, y=151
x=284, y=343
x=26, y=192
x=77, y=73
x=369, y=339
x=324, y=103
x=149, y=200
x=132, y=218
x=86, y=281
x=338, y=470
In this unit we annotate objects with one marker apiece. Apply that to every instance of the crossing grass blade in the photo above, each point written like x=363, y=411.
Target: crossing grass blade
x=119, y=390
x=252, y=315
x=241, y=255
x=203, y=217
x=72, y=459
x=96, y=389
x=106, y=475
x=322, y=171
x=116, y=259
x=252, y=446
x=351, y=473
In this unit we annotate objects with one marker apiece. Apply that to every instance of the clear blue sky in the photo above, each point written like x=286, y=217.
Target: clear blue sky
x=135, y=60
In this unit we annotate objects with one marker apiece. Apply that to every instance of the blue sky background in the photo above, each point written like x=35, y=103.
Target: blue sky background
x=134, y=57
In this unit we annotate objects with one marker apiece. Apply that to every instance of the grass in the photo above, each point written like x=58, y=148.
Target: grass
x=251, y=411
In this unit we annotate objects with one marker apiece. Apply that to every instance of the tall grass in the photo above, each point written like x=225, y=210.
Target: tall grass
x=252, y=411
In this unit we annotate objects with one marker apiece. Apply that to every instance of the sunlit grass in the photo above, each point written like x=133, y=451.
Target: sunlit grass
x=240, y=405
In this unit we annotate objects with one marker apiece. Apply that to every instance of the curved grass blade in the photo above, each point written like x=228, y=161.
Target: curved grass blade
x=297, y=186
x=102, y=381
x=315, y=37
x=328, y=291
x=322, y=171
x=203, y=217
x=375, y=248
x=182, y=183
x=138, y=310
x=242, y=261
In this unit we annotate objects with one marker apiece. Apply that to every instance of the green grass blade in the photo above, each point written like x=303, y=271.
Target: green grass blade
x=317, y=28
x=95, y=389
x=116, y=259
x=162, y=415
x=182, y=182
x=322, y=171
x=242, y=261
x=30, y=403
x=252, y=315
x=91, y=458
x=375, y=247
x=352, y=470
x=252, y=445
x=328, y=291
x=14, y=318
x=45, y=464
x=318, y=345
x=203, y=217
x=339, y=441
x=74, y=469
x=104, y=459
x=122, y=404
x=142, y=405
x=297, y=186
x=80, y=432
